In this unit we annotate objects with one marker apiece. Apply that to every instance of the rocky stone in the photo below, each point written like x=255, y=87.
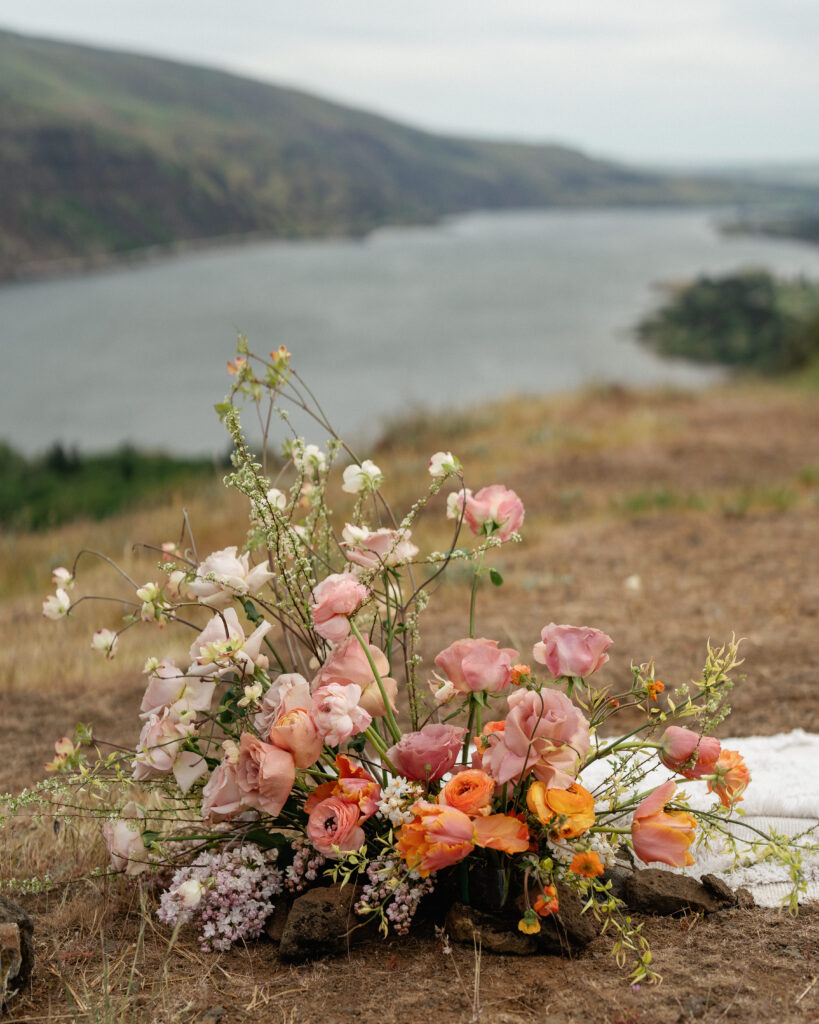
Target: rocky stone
x=321, y=923
x=496, y=934
x=16, y=949
x=274, y=926
x=745, y=898
x=664, y=893
x=719, y=889
x=618, y=874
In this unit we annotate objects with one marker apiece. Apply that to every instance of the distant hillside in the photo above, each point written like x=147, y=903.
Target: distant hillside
x=104, y=152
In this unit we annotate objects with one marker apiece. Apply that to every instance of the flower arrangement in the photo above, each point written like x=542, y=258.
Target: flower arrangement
x=304, y=739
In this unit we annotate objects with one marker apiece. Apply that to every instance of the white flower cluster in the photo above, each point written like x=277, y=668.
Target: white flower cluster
x=397, y=798
x=227, y=894
x=603, y=849
x=389, y=883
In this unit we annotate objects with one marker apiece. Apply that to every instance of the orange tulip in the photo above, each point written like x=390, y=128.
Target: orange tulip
x=586, y=864
x=470, y=791
x=437, y=837
x=502, y=832
x=570, y=811
x=660, y=835
x=731, y=777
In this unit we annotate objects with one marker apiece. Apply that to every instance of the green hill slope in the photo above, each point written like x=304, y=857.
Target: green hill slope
x=102, y=152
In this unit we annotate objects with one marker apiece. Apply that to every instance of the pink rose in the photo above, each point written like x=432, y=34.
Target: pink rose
x=334, y=822
x=335, y=599
x=221, y=797
x=572, y=650
x=348, y=663
x=375, y=548
x=337, y=714
x=495, y=510
x=288, y=691
x=544, y=733
x=428, y=754
x=296, y=732
x=679, y=746
x=264, y=774
x=480, y=664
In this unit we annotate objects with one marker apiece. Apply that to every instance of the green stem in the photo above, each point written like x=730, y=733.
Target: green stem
x=381, y=747
x=389, y=717
x=464, y=879
x=476, y=575
x=617, y=744
x=468, y=737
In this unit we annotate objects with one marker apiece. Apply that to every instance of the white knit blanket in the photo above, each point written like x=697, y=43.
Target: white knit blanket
x=783, y=797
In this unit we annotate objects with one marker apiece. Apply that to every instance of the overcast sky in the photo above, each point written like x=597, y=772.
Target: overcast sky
x=665, y=81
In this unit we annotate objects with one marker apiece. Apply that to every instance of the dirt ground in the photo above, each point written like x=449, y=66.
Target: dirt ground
x=662, y=519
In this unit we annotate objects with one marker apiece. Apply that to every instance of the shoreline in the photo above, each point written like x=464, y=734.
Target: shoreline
x=69, y=267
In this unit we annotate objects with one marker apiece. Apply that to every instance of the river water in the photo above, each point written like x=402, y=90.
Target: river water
x=437, y=317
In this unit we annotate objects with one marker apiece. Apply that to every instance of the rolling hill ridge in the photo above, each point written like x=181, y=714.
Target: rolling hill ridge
x=104, y=152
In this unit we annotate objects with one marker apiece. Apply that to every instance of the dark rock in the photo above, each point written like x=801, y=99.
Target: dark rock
x=274, y=925
x=618, y=874
x=497, y=934
x=719, y=889
x=745, y=898
x=16, y=949
x=321, y=923
x=664, y=892
x=569, y=929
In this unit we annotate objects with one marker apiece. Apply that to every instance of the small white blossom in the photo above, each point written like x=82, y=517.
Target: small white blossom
x=57, y=606
x=454, y=504
x=443, y=464
x=190, y=893
x=443, y=693
x=366, y=477
x=252, y=693
x=62, y=578
x=104, y=641
x=310, y=460
x=397, y=799
x=603, y=849
x=277, y=498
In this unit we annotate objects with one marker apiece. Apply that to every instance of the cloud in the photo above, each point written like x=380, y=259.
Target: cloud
x=707, y=78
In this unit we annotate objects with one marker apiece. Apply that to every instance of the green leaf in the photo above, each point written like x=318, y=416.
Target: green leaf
x=496, y=578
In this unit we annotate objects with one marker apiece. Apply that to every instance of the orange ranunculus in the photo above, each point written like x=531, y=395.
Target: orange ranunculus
x=660, y=835
x=570, y=810
x=470, y=791
x=437, y=837
x=546, y=902
x=586, y=864
x=502, y=832
x=354, y=784
x=731, y=777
